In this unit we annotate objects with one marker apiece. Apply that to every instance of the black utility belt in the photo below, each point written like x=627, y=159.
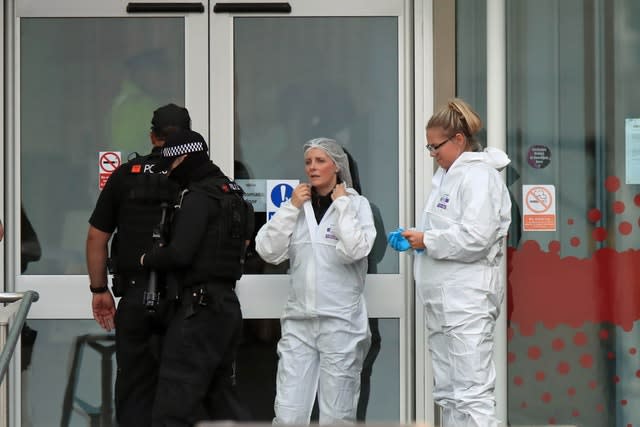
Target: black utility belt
x=137, y=280
x=209, y=294
x=214, y=287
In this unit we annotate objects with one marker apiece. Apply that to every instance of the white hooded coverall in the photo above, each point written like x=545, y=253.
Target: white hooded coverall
x=459, y=279
x=325, y=329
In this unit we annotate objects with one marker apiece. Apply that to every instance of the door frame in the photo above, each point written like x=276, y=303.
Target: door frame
x=263, y=296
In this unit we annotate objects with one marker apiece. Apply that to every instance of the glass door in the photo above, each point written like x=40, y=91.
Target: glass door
x=283, y=74
x=87, y=76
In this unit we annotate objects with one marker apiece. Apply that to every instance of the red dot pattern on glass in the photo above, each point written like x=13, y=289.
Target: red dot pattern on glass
x=557, y=344
x=612, y=184
x=563, y=368
x=548, y=290
x=594, y=215
x=625, y=228
x=586, y=361
x=580, y=339
x=618, y=207
x=599, y=234
x=541, y=284
x=534, y=353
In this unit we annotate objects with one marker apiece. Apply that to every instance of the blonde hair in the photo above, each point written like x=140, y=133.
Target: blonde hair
x=458, y=117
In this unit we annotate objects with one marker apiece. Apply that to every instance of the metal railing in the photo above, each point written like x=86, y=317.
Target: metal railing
x=12, y=317
x=9, y=346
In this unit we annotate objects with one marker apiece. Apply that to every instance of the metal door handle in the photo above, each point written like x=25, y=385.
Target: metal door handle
x=165, y=8
x=252, y=8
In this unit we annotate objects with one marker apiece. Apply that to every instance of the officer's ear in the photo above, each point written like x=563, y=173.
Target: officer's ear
x=156, y=141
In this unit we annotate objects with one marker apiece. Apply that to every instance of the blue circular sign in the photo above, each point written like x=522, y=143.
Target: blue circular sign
x=281, y=193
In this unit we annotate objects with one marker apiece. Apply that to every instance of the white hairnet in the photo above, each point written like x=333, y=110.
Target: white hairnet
x=337, y=154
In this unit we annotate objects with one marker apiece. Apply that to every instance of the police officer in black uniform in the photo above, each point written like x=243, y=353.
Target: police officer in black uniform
x=130, y=204
x=211, y=227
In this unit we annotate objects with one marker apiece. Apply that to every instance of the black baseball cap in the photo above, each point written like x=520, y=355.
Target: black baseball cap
x=170, y=115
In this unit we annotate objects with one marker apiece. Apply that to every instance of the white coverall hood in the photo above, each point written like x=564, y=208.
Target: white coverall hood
x=491, y=156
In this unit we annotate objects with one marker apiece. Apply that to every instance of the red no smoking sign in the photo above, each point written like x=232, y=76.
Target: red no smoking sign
x=108, y=161
x=539, y=207
x=539, y=199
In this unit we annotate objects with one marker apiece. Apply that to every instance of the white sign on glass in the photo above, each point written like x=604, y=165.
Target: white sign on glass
x=632, y=150
x=254, y=193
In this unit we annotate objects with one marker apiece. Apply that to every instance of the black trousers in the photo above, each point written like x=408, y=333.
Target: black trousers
x=197, y=370
x=139, y=336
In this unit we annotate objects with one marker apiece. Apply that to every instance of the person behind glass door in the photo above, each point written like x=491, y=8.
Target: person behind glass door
x=130, y=203
x=375, y=257
x=146, y=81
x=326, y=230
x=458, y=273
x=30, y=251
x=211, y=228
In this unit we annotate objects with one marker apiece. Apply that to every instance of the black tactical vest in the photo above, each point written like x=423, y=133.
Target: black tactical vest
x=146, y=188
x=225, y=243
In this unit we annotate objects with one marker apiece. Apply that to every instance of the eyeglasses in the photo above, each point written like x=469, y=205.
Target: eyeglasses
x=434, y=148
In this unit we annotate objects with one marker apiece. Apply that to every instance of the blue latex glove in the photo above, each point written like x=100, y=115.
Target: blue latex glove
x=397, y=241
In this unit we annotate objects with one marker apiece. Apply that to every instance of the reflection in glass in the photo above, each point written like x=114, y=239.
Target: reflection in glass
x=87, y=85
x=71, y=375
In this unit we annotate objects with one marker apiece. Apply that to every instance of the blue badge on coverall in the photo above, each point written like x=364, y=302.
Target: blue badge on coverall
x=329, y=234
x=444, y=201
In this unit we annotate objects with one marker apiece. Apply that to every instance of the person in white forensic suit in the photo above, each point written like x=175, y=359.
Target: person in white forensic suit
x=457, y=264
x=326, y=230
